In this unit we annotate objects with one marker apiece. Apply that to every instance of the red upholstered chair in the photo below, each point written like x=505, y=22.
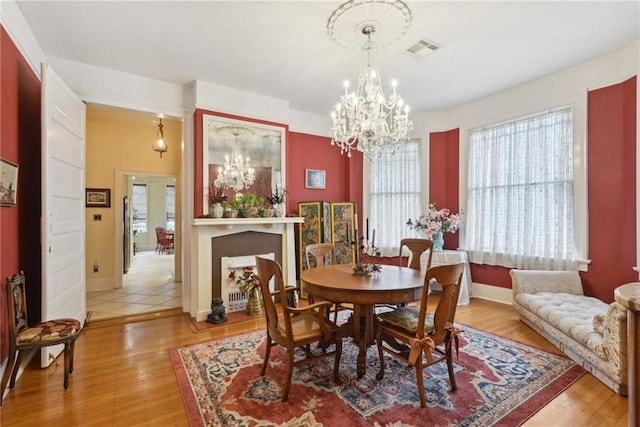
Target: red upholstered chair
x=164, y=241
x=24, y=337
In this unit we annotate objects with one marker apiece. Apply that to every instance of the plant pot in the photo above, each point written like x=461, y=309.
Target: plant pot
x=251, y=212
x=255, y=304
x=269, y=213
x=279, y=208
x=216, y=210
x=230, y=213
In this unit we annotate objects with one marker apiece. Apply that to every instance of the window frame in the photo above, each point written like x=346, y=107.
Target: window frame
x=576, y=100
x=133, y=206
x=390, y=251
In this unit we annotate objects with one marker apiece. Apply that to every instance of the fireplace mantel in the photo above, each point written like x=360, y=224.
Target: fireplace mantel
x=205, y=229
x=225, y=223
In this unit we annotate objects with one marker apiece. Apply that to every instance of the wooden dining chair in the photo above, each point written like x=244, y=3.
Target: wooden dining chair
x=23, y=337
x=318, y=255
x=417, y=248
x=293, y=327
x=421, y=339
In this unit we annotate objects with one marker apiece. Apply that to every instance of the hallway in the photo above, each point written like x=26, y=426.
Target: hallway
x=147, y=287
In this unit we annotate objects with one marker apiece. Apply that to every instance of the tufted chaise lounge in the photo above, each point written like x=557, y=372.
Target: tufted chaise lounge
x=586, y=329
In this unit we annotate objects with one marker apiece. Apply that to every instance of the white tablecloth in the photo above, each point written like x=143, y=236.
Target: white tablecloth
x=452, y=257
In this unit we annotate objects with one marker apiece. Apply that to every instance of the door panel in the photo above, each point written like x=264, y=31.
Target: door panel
x=63, y=213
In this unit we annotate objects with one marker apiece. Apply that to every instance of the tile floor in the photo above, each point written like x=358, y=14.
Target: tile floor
x=147, y=287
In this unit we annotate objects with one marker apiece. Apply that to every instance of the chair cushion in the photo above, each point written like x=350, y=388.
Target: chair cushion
x=52, y=330
x=405, y=318
x=304, y=325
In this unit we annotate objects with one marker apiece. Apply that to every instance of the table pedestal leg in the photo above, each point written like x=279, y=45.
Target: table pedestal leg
x=363, y=334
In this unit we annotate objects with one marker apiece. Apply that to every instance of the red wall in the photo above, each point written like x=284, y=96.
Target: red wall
x=444, y=176
x=612, y=188
x=20, y=144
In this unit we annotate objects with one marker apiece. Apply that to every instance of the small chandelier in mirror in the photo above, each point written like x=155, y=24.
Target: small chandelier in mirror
x=160, y=145
x=237, y=172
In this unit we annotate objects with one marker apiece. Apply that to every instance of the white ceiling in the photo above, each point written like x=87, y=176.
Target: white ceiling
x=281, y=48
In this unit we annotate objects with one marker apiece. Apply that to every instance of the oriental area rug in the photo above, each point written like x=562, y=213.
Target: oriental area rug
x=500, y=382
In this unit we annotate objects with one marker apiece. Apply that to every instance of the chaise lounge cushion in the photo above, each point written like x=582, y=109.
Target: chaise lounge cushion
x=590, y=331
x=571, y=314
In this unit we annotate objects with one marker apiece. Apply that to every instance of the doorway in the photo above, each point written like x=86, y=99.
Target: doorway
x=148, y=275
x=119, y=155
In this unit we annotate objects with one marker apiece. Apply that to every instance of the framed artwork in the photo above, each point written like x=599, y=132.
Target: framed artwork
x=8, y=183
x=343, y=231
x=314, y=178
x=98, y=198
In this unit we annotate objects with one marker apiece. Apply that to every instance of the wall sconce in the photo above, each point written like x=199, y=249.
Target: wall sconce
x=160, y=145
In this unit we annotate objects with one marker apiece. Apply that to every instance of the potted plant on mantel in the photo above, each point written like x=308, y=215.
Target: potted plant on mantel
x=249, y=205
x=216, y=198
x=277, y=201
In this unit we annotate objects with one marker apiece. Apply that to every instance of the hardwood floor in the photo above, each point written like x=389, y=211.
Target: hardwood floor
x=123, y=376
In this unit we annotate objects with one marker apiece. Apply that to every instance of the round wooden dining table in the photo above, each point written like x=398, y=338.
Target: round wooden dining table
x=337, y=283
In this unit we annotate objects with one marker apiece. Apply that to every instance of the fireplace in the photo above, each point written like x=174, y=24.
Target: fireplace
x=216, y=239
x=233, y=298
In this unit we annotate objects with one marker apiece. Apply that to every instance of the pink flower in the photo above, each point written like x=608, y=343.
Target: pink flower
x=435, y=220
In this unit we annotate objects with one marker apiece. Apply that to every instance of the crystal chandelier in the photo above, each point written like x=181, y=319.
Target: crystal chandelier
x=366, y=120
x=236, y=173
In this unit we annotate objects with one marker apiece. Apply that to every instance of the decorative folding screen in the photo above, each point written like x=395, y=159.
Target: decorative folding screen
x=326, y=222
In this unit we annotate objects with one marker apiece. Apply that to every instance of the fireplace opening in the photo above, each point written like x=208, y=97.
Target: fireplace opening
x=247, y=243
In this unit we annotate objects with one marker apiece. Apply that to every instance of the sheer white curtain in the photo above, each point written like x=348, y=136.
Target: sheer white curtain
x=394, y=196
x=520, y=193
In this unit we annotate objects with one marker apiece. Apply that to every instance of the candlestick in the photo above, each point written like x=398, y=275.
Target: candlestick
x=373, y=239
x=367, y=230
x=355, y=227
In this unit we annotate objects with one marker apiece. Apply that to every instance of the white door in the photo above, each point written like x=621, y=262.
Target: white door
x=63, y=214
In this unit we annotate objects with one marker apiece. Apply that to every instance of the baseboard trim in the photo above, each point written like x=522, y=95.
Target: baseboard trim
x=102, y=284
x=492, y=293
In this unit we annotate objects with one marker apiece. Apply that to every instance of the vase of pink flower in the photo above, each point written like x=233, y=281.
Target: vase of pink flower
x=434, y=223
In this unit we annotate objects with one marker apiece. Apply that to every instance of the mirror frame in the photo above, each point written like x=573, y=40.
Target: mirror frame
x=257, y=128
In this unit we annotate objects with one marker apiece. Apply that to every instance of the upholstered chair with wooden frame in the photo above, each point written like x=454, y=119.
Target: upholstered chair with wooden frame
x=421, y=339
x=293, y=327
x=164, y=241
x=23, y=337
x=323, y=254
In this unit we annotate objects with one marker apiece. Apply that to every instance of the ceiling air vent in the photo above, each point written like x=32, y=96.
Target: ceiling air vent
x=422, y=48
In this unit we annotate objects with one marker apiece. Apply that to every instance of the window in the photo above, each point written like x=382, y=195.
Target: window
x=394, y=195
x=139, y=208
x=520, y=195
x=170, y=206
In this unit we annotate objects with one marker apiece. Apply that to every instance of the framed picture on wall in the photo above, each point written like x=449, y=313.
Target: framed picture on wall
x=314, y=178
x=8, y=183
x=98, y=198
